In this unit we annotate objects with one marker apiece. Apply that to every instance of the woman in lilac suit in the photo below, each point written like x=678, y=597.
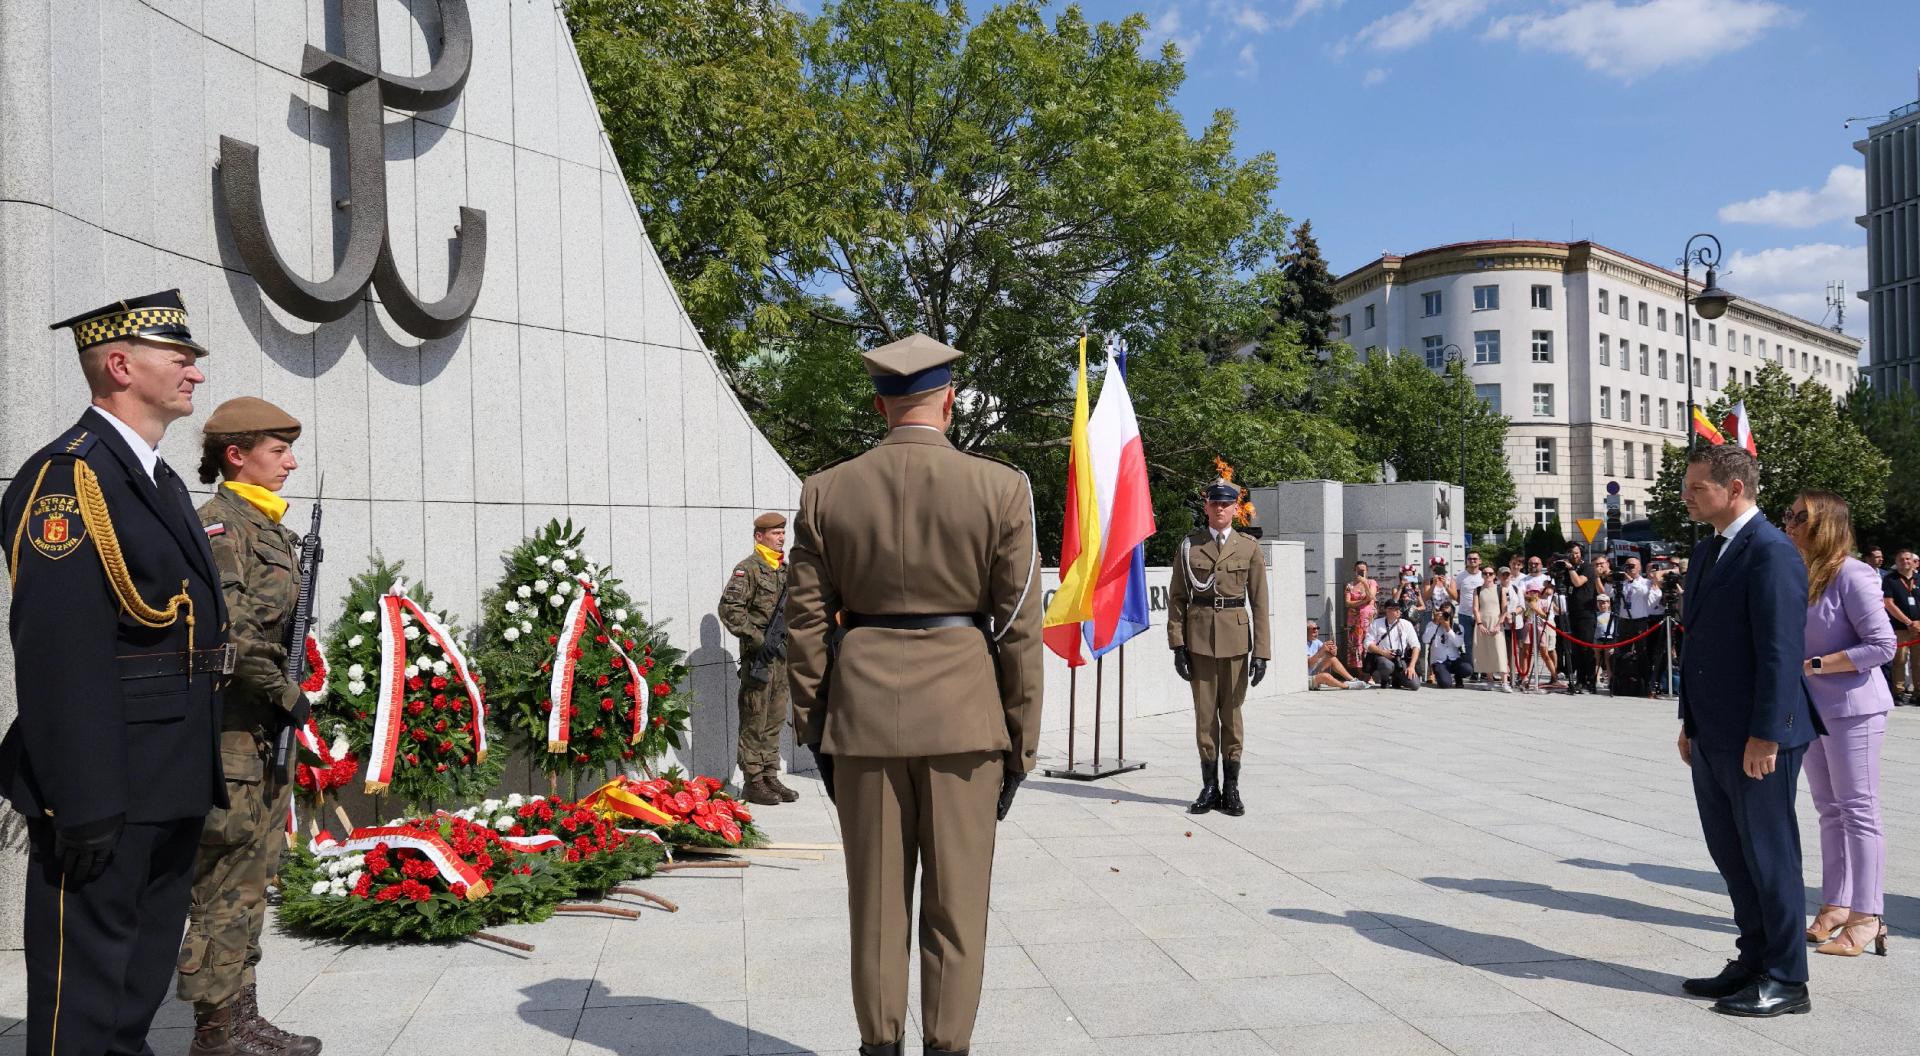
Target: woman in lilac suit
x=1848, y=638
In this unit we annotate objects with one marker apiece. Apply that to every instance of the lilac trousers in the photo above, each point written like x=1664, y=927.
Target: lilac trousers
x=1843, y=769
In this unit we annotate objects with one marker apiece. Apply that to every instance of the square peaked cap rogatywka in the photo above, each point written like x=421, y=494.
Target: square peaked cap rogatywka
x=156, y=317
x=914, y=364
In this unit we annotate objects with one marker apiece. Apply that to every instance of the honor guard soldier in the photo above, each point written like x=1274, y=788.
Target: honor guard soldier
x=247, y=443
x=926, y=714
x=755, y=591
x=1216, y=616
x=120, y=647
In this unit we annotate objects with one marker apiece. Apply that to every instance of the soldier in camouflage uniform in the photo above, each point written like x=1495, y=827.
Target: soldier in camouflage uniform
x=746, y=607
x=248, y=442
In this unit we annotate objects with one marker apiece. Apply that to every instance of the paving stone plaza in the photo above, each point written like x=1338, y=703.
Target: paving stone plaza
x=1433, y=872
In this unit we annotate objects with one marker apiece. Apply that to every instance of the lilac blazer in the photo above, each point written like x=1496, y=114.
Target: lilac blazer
x=1850, y=619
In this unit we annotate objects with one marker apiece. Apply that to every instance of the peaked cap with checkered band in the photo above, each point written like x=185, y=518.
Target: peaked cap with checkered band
x=156, y=317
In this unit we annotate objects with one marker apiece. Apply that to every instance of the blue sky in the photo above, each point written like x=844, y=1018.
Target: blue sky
x=1402, y=124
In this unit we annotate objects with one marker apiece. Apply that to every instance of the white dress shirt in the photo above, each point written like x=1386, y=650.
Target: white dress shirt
x=1642, y=598
x=1733, y=529
x=1398, y=638
x=1442, y=643
x=148, y=455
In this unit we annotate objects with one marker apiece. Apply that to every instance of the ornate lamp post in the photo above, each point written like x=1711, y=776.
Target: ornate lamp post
x=1711, y=302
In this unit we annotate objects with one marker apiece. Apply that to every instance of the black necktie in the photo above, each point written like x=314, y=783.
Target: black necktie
x=1712, y=558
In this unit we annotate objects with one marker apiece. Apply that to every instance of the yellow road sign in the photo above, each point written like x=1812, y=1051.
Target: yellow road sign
x=1589, y=527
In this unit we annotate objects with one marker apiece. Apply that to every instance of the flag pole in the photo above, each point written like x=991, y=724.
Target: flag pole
x=1073, y=702
x=1099, y=683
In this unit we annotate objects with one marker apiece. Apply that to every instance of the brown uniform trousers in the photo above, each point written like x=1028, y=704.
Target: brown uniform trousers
x=921, y=723
x=746, y=607
x=1217, y=611
x=241, y=844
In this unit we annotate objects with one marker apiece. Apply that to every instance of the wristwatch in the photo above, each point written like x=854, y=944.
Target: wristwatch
x=1814, y=663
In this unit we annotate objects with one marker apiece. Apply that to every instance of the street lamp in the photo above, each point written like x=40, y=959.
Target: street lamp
x=1454, y=354
x=1711, y=302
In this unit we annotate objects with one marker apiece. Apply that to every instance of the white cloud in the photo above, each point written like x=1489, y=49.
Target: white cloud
x=1249, y=63
x=1629, y=40
x=1374, y=76
x=1167, y=29
x=1251, y=19
x=1843, y=195
x=1794, y=279
x=1419, y=20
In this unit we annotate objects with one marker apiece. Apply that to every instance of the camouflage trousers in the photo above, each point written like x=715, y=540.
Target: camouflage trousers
x=238, y=849
x=763, y=710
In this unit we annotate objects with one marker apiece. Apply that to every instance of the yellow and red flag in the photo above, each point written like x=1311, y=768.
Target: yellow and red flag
x=1072, y=604
x=1706, y=428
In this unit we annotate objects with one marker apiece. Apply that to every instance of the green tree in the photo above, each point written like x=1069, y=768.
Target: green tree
x=1891, y=421
x=1404, y=415
x=1306, y=302
x=1805, y=440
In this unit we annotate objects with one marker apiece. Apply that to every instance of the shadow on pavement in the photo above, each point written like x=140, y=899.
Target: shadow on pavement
x=657, y=1028
x=1609, y=906
x=1509, y=957
x=1899, y=909
x=1083, y=790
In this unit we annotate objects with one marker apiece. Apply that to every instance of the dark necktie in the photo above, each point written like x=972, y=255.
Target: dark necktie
x=1712, y=558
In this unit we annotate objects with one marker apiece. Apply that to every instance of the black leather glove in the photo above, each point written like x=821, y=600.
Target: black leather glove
x=85, y=849
x=302, y=711
x=825, y=763
x=1259, y=669
x=1183, y=664
x=1009, y=784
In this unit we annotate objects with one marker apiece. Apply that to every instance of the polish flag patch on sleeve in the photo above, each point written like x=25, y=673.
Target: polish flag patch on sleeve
x=216, y=528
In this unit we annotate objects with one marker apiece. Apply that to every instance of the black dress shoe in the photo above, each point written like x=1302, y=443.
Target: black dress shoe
x=1765, y=998
x=1731, y=980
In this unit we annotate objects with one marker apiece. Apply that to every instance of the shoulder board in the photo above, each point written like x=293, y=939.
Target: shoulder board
x=842, y=460
x=991, y=458
x=77, y=442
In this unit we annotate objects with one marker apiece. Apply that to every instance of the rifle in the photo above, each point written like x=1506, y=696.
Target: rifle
x=773, y=644
x=296, y=665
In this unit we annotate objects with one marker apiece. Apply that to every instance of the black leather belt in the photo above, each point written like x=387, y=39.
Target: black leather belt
x=199, y=662
x=1220, y=603
x=854, y=620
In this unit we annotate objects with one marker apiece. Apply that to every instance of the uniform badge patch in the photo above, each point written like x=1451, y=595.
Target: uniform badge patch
x=54, y=525
x=739, y=572
x=216, y=528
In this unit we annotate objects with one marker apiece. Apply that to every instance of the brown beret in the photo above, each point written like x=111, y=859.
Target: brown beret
x=768, y=521
x=249, y=414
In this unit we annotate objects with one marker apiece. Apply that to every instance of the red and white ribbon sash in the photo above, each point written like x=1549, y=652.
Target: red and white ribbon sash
x=309, y=737
x=573, y=629
x=391, y=700
x=450, y=866
x=457, y=660
x=532, y=844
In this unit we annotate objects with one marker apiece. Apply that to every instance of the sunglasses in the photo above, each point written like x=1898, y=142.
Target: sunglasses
x=1795, y=518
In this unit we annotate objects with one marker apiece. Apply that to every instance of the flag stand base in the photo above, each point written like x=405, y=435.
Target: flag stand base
x=1097, y=769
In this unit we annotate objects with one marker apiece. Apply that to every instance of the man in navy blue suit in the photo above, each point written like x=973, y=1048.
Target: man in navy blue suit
x=1745, y=720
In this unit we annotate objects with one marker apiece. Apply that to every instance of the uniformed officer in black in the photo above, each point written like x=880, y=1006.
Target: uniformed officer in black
x=119, y=643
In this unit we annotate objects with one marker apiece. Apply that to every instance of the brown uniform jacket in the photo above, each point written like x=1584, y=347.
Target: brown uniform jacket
x=1238, y=571
x=913, y=528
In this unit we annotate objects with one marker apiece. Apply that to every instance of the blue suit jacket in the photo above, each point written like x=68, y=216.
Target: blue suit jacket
x=1745, y=637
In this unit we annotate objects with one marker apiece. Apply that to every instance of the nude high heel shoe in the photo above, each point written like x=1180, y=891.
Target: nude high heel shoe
x=1839, y=946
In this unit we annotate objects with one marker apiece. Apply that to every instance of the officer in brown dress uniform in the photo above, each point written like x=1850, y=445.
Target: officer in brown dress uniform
x=747, y=604
x=926, y=558
x=1216, y=615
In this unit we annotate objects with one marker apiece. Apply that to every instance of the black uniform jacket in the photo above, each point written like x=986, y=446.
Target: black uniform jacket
x=100, y=734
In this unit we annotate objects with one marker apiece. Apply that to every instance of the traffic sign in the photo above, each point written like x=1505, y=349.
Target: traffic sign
x=1589, y=527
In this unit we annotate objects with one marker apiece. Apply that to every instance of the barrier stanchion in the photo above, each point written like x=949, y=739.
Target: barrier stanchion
x=1097, y=769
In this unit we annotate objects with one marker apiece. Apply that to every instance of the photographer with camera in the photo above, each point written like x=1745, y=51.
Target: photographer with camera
x=1393, y=649
x=1445, y=646
x=1580, y=588
x=1637, y=608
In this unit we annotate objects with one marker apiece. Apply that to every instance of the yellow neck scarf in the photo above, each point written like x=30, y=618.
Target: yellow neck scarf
x=768, y=554
x=265, y=501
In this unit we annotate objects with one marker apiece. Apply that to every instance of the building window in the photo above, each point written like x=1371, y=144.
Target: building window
x=1486, y=298
x=1660, y=315
x=1430, y=304
x=1713, y=335
x=1606, y=402
x=1543, y=401
x=1746, y=345
x=1816, y=364
x=1623, y=307
x=1603, y=302
x=1346, y=325
x=1489, y=395
x=1626, y=406
x=1643, y=359
x=1763, y=348
x=1543, y=346
x=1433, y=349
x=1631, y=509
x=1696, y=329
x=1646, y=417
x=1746, y=378
x=1486, y=345
x=1663, y=364
x=1646, y=452
x=1367, y=317
x=1663, y=415
x=1606, y=456
x=1545, y=512
x=1543, y=297
x=1643, y=313
x=1605, y=345
x=1695, y=374
x=1713, y=375
x=1627, y=465
x=1543, y=454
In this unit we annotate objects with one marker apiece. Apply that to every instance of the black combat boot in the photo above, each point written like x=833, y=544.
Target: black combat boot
x=931, y=1051
x=1230, y=804
x=892, y=1048
x=787, y=795
x=1209, y=788
x=249, y=1023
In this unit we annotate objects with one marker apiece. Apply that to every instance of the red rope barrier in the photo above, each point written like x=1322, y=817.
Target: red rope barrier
x=1611, y=645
